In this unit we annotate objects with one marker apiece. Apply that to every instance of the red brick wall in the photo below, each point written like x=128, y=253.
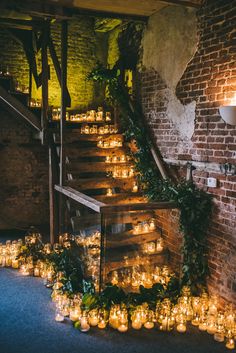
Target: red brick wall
x=210, y=80
x=23, y=175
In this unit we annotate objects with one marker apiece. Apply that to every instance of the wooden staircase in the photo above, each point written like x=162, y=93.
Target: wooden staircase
x=102, y=170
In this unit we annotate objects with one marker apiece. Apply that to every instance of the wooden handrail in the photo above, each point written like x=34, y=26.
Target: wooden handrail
x=103, y=208
x=80, y=198
x=13, y=105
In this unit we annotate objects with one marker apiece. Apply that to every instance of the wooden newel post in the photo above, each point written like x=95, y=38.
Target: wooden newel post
x=64, y=35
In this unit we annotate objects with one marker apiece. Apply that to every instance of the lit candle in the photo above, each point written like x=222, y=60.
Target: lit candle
x=84, y=326
x=149, y=325
x=74, y=314
x=230, y=344
x=59, y=317
x=123, y=328
x=15, y=263
x=109, y=192
x=36, y=271
x=102, y=324
x=181, y=328
x=135, y=188
x=152, y=225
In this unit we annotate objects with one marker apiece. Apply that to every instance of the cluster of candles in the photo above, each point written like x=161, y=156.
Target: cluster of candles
x=89, y=116
x=110, y=143
x=35, y=103
x=135, y=277
x=119, y=172
x=153, y=247
x=144, y=227
x=101, y=130
x=203, y=311
x=117, y=159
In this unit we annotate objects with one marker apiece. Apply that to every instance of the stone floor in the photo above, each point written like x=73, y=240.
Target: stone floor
x=27, y=325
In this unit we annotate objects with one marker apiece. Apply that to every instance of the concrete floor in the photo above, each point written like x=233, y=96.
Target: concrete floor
x=27, y=326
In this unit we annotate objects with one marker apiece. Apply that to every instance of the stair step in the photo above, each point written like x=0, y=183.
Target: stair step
x=76, y=167
x=131, y=258
x=75, y=152
x=123, y=198
x=129, y=238
x=104, y=182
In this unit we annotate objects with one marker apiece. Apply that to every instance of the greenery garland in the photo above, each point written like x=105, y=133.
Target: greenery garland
x=195, y=205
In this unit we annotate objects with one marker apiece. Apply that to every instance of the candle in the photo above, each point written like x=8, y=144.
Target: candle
x=15, y=263
x=59, y=317
x=102, y=324
x=36, y=271
x=152, y=225
x=109, y=192
x=84, y=326
x=123, y=328
x=135, y=188
x=137, y=324
x=230, y=343
x=181, y=328
x=149, y=325
x=74, y=314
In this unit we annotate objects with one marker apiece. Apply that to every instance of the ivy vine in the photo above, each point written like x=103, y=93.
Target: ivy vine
x=195, y=205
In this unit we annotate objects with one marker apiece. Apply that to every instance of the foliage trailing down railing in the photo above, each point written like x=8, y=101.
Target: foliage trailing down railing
x=195, y=205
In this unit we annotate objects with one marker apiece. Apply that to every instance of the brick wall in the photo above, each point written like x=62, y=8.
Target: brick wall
x=209, y=80
x=23, y=175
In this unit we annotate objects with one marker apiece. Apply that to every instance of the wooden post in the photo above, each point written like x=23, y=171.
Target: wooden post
x=64, y=30
x=44, y=113
x=53, y=180
x=102, y=252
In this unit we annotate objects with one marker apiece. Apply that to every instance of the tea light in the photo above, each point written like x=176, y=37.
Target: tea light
x=84, y=326
x=15, y=263
x=152, y=225
x=230, y=344
x=108, y=116
x=135, y=188
x=159, y=245
x=149, y=325
x=24, y=270
x=181, y=328
x=36, y=271
x=109, y=192
x=136, y=324
x=74, y=314
x=123, y=328
x=59, y=317
x=102, y=324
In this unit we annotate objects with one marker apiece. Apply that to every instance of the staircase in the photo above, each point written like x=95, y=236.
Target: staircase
x=98, y=165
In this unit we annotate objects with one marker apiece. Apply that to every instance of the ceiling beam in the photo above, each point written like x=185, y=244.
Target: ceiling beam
x=189, y=3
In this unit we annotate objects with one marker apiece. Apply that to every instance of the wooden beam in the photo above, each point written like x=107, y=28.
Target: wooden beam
x=18, y=109
x=64, y=44
x=58, y=68
x=188, y=3
x=138, y=207
x=44, y=57
x=53, y=197
x=80, y=198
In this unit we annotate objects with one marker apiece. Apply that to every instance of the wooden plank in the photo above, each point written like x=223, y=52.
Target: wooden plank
x=138, y=207
x=103, y=183
x=72, y=152
x=44, y=77
x=128, y=238
x=80, y=198
x=64, y=44
x=53, y=199
x=83, y=167
x=58, y=69
x=115, y=263
x=18, y=109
